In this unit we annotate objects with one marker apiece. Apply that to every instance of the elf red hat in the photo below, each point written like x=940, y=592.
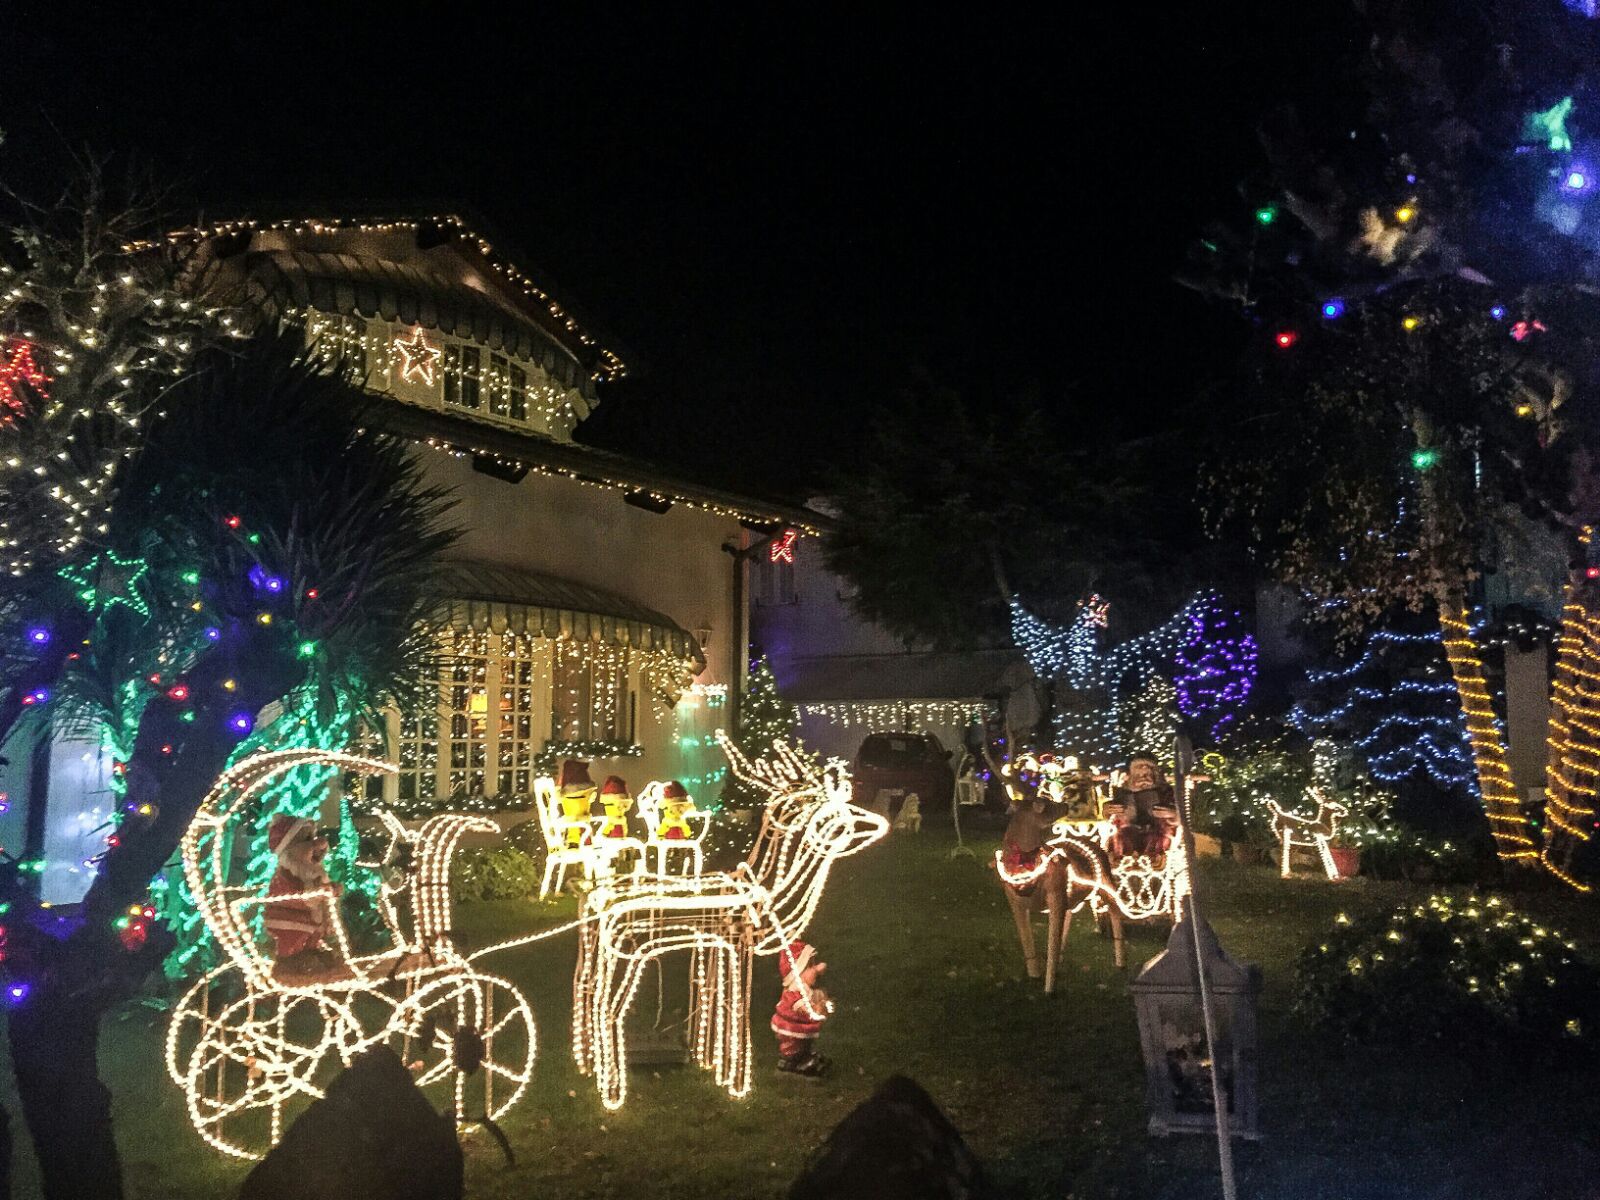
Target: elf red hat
x=793, y=959
x=283, y=830
x=574, y=774
x=615, y=785
x=674, y=791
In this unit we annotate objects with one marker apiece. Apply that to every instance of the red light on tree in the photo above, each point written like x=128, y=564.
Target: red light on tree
x=19, y=367
x=232, y=522
x=178, y=692
x=1286, y=338
x=1592, y=572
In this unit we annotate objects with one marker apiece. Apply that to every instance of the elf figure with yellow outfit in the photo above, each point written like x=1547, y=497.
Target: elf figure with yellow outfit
x=577, y=792
x=617, y=803
x=676, y=806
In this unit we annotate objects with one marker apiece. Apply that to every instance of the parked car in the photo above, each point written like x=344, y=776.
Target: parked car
x=890, y=765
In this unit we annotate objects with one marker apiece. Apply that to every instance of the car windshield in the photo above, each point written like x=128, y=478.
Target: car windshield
x=888, y=750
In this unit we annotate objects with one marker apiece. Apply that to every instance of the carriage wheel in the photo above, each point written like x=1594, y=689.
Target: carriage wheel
x=470, y=1041
x=206, y=997
x=260, y=1058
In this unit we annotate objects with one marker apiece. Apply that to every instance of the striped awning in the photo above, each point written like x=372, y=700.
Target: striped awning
x=355, y=286
x=488, y=597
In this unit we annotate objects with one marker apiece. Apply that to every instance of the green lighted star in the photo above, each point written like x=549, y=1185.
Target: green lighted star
x=107, y=580
x=1550, y=126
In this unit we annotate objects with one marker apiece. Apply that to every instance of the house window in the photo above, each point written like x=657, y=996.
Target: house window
x=514, y=743
x=461, y=378
x=589, y=699
x=467, y=709
x=417, y=748
x=499, y=387
x=517, y=387
x=774, y=582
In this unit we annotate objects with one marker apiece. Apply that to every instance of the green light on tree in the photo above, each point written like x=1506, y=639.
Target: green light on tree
x=1266, y=214
x=1425, y=459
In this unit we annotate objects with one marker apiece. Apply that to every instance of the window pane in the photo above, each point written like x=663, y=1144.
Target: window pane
x=518, y=384
x=452, y=375
x=499, y=388
x=469, y=377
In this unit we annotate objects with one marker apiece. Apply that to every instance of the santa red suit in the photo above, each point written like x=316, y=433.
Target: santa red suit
x=801, y=1010
x=300, y=924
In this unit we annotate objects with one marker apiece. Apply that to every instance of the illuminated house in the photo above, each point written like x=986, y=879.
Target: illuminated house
x=594, y=611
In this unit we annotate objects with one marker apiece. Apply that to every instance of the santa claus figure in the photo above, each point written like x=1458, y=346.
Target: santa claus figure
x=616, y=802
x=300, y=923
x=1143, y=814
x=577, y=792
x=676, y=805
x=801, y=1010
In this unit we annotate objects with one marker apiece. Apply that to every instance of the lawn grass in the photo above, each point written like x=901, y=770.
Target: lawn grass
x=928, y=977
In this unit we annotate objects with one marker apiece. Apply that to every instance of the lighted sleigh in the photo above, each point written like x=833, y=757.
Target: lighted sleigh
x=249, y=1045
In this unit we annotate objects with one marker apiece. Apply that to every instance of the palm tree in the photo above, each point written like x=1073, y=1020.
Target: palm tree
x=265, y=542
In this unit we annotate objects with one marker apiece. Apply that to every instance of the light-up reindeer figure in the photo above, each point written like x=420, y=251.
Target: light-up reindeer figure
x=1296, y=829
x=719, y=919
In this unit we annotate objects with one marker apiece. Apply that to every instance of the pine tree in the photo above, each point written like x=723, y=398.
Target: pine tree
x=765, y=718
x=1395, y=706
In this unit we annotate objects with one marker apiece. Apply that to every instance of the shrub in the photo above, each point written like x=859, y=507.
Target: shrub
x=1469, y=974
x=1230, y=804
x=494, y=873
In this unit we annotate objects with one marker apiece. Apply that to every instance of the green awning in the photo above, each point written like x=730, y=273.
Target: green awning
x=489, y=597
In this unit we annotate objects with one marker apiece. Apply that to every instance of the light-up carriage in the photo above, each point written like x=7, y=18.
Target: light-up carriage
x=1146, y=886
x=247, y=1045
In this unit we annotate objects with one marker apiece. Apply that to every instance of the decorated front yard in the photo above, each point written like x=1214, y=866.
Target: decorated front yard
x=928, y=976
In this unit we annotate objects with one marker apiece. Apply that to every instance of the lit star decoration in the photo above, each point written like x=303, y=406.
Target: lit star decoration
x=1550, y=126
x=18, y=367
x=108, y=580
x=420, y=357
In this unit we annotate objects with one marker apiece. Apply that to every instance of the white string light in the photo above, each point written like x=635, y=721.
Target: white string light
x=1295, y=829
x=719, y=919
x=242, y=1061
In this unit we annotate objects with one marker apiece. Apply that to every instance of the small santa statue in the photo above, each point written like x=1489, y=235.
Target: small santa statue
x=576, y=790
x=801, y=1010
x=616, y=802
x=676, y=805
x=1143, y=814
x=300, y=923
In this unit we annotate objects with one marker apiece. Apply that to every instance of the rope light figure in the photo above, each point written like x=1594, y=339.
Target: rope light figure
x=245, y=1042
x=1296, y=829
x=719, y=920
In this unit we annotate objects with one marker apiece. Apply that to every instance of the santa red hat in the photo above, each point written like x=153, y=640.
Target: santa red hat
x=574, y=774
x=793, y=959
x=615, y=785
x=283, y=831
x=674, y=791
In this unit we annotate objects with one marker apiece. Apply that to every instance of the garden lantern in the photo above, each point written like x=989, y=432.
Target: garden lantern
x=1172, y=1035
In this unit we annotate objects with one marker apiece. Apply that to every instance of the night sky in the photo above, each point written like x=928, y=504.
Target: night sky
x=779, y=224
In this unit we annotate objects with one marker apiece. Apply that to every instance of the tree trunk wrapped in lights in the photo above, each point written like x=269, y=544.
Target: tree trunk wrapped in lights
x=1572, y=770
x=1513, y=839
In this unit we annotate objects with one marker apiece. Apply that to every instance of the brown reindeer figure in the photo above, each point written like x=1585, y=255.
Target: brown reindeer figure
x=1294, y=829
x=1056, y=873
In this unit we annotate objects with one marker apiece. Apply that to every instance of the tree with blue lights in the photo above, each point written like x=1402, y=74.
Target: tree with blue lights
x=1394, y=707
x=1415, y=256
